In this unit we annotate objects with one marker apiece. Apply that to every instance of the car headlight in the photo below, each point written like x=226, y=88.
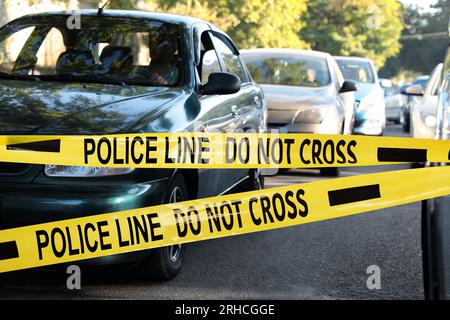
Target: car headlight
x=428, y=118
x=312, y=114
x=84, y=172
x=366, y=104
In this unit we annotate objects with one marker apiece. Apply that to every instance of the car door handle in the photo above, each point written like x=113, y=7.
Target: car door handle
x=234, y=111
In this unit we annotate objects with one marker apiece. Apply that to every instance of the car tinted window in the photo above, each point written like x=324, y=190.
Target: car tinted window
x=291, y=70
x=11, y=46
x=355, y=70
x=210, y=64
x=104, y=49
x=232, y=62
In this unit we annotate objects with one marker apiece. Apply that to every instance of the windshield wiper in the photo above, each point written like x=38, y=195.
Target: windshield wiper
x=88, y=79
x=5, y=75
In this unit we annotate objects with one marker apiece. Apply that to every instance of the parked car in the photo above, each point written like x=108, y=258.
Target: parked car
x=370, y=112
x=406, y=115
x=122, y=72
x=436, y=212
x=305, y=92
x=394, y=101
x=423, y=110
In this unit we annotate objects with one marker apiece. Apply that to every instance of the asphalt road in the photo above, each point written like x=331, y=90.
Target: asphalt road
x=323, y=260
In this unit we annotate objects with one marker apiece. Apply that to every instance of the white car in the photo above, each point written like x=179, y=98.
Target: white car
x=423, y=110
x=370, y=116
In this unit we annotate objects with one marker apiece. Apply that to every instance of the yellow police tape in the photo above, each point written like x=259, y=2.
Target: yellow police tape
x=202, y=219
x=218, y=150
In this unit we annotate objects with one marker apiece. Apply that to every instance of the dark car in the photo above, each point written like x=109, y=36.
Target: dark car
x=121, y=72
x=436, y=212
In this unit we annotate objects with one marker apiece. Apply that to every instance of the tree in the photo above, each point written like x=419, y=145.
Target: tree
x=250, y=23
x=365, y=28
x=420, y=54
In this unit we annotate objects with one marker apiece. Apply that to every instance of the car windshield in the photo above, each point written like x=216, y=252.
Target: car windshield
x=360, y=71
x=101, y=49
x=290, y=70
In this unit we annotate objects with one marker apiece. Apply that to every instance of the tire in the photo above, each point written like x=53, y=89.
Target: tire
x=165, y=263
x=329, y=172
x=255, y=181
x=406, y=124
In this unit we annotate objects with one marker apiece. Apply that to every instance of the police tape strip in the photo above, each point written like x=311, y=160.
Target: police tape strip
x=218, y=150
x=210, y=218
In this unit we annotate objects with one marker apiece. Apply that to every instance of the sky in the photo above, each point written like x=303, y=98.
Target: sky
x=421, y=3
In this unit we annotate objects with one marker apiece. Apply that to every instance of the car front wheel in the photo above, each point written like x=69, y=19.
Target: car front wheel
x=255, y=181
x=165, y=263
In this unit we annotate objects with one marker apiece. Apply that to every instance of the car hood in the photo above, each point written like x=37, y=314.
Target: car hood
x=282, y=97
x=43, y=107
x=289, y=104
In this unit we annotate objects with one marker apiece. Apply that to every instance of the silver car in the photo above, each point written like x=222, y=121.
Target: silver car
x=304, y=90
x=394, y=102
x=371, y=110
x=423, y=110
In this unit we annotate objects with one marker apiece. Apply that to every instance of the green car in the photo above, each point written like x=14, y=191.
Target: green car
x=109, y=72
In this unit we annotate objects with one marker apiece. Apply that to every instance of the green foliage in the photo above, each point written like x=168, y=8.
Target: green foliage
x=421, y=55
x=250, y=23
x=365, y=28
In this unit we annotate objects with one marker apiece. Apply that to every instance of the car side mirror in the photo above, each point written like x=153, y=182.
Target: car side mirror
x=221, y=83
x=414, y=90
x=386, y=83
x=348, y=86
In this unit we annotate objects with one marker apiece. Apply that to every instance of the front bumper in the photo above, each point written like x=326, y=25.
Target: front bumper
x=419, y=129
x=24, y=204
x=369, y=122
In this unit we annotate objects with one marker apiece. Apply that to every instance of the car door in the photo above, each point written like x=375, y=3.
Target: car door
x=223, y=113
x=436, y=212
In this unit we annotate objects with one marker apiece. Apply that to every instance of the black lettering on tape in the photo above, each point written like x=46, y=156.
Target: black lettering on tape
x=8, y=250
x=38, y=146
x=355, y=194
x=401, y=155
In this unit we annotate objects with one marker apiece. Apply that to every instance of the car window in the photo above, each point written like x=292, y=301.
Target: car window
x=11, y=47
x=434, y=81
x=392, y=91
x=49, y=51
x=435, y=88
x=105, y=49
x=355, y=70
x=288, y=69
x=232, y=62
x=210, y=64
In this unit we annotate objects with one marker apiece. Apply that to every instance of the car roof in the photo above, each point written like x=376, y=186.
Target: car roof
x=168, y=17
x=352, y=58
x=311, y=53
